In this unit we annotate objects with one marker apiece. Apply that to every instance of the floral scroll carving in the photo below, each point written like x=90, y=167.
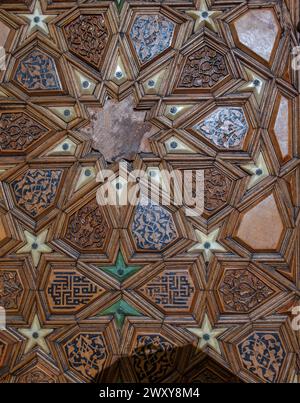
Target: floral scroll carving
x=11, y=289
x=217, y=188
x=86, y=354
x=36, y=190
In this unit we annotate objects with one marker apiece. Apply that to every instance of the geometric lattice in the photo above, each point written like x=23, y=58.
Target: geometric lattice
x=154, y=289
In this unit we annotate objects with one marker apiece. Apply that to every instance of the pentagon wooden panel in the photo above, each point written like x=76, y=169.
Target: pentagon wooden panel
x=97, y=290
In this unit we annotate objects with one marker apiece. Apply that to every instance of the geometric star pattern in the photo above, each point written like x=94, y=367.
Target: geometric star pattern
x=35, y=245
x=107, y=293
x=36, y=336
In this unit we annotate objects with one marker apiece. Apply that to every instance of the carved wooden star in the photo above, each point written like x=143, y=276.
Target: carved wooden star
x=36, y=336
x=207, y=335
x=35, y=245
x=203, y=16
x=207, y=244
x=37, y=21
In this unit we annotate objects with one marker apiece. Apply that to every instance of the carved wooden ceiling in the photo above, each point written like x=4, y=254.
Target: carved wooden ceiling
x=147, y=293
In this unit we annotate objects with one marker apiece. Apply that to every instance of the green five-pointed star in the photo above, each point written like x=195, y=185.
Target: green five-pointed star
x=119, y=310
x=120, y=271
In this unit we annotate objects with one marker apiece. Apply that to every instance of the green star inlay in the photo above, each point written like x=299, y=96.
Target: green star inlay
x=119, y=310
x=120, y=271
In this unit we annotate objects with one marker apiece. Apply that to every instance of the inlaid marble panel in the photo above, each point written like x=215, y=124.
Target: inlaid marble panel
x=257, y=29
x=37, y=71
x=4, y=33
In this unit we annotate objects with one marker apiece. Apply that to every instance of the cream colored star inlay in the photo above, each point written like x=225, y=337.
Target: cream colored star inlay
x=36, y=336
x=37, y=21
x=35, y=245
x=207, y=244
x=207, y=335
x=203, y=16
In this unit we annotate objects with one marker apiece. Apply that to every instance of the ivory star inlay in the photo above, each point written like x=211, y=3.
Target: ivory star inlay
x=257, y=30
x=282, y=127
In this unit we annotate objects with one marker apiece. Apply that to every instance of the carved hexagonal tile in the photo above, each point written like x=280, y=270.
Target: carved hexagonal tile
x=216, y=189
x=38, y=370
x=87, y=37
x=69, y=290
x=36, y=190
x=37, y=72
x=87, y=228
x=146, y=354
x=242, y=291
x=19, y=132
x=86, y=354
x=172, y=290
x=11, y=290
